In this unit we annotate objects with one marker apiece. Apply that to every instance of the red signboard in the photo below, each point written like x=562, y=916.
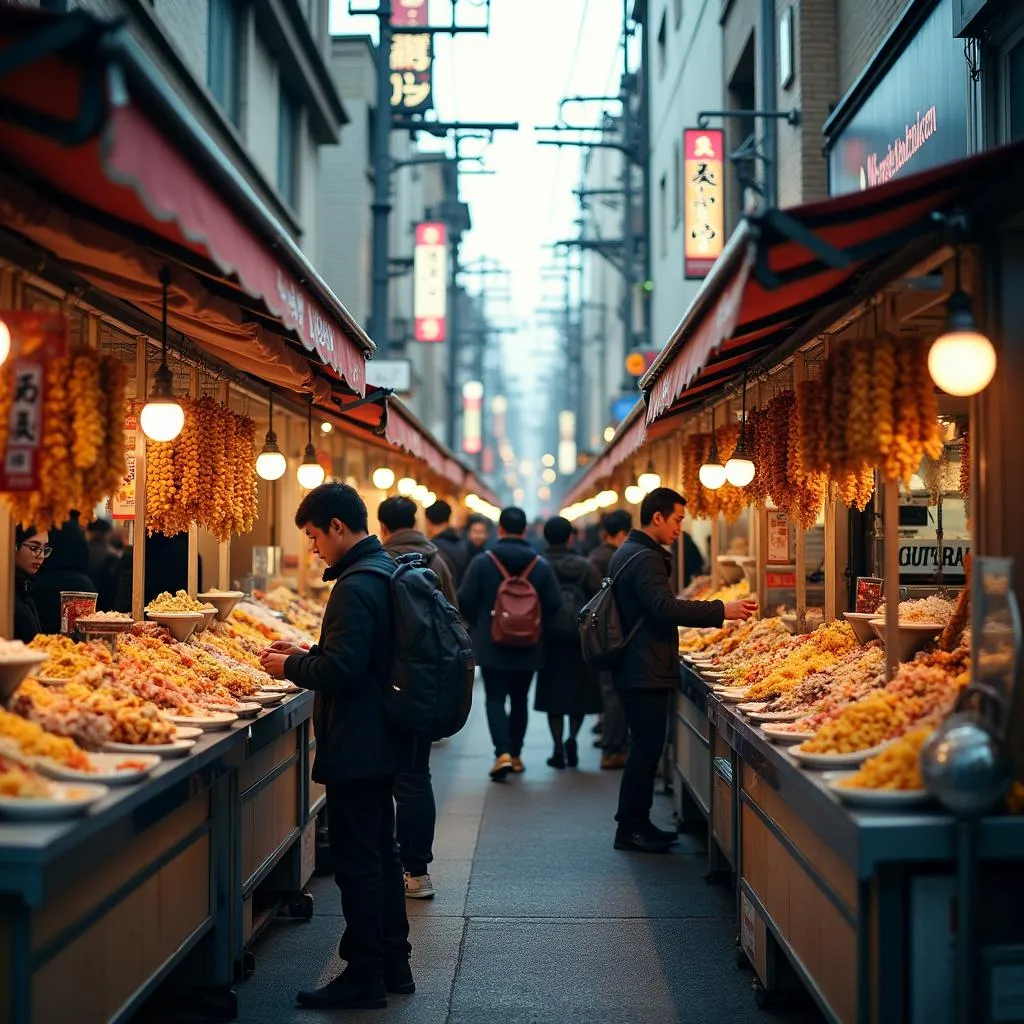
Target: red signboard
x=35, y=340
x=430, y=282
x=409, y=13
x=703, y=199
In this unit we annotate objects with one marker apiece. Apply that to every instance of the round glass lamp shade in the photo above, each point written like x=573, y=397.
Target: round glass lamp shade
x=5, y=342
x=420, y=493
x=712, y=475
x=962, y=362
x=383, y=478
x=162, y=419
x=634, y=494
x=406, y=486
x=310, y=474
x=739, y=471
x=271, y=465
x=429, y=499
x=649, y=482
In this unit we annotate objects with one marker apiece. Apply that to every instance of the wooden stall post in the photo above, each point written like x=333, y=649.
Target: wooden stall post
x=224, y=546
x=139, y=522
x=193, y=530
x=891, y=555
x=761, y=513
x=303, y=565
x=799, y=373
x=10, y=295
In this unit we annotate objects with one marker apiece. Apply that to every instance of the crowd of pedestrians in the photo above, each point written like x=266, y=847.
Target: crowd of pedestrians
x=520, y=597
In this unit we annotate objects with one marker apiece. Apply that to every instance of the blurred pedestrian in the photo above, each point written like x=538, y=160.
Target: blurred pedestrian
x=453, y=548
x=566, y=687
x=65, y=570
x=31, y=549
x=478, y=535
x=104, y=563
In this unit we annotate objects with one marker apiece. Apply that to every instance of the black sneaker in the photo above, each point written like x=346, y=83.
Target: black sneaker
x=349, y=991
x=398, y=978
x=660, y=834
x=640, y=842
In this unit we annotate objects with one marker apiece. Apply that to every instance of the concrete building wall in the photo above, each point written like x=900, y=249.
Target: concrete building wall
x=861, y=27
x=187, y=24
x=261, y=100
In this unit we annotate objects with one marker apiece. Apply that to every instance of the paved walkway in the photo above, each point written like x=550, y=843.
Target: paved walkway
x=537, y=918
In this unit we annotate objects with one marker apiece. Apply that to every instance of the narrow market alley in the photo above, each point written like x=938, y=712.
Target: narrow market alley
x=536, y=917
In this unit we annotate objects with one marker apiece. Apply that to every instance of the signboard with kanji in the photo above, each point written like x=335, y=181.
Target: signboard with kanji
x=430, y=282
x=703, y=199
x=122, y=501
x=412, y=59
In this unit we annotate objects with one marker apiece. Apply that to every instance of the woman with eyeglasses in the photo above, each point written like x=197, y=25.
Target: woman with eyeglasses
x=31, y=549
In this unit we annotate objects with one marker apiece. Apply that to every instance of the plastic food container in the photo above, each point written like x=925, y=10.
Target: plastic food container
x=75, y=604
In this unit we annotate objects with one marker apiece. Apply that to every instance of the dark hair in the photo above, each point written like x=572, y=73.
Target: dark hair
x=332, y=501
x=439, y=513
x=100, y=526
x=557, y=530
x=619, y=521
x=513, y=521
x=661, y=499
x=24, y=533
x=397, y=513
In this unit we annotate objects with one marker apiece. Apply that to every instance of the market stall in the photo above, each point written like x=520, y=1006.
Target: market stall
x=821, y=391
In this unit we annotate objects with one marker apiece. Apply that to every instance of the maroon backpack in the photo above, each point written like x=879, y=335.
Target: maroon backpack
x=515, y=618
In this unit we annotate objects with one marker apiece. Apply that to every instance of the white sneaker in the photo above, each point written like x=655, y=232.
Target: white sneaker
x=418, y=887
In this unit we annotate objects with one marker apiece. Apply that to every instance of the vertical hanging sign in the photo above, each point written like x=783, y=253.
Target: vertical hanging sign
x=430, y=282
x=36, y=339
x=412, y=59
x=122, y=501
x=472, y=417
x=703, y=200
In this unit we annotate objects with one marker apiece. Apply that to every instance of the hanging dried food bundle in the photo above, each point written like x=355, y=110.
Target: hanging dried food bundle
x=81, y=458
x=206, y=476
x=760, y=445
x=965, y=464
x=812, y=426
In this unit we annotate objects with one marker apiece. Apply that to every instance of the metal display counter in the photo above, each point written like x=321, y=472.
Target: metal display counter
x=96, y=912
x=859, y=906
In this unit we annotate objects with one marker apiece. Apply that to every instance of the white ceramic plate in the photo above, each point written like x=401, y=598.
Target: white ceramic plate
x=731, y=694
x=108, y=769
x=783, y=738
x=281, y=687
x=187, y=732
x=248, y=709
x=267, y=699
x=874, y=798
x=858, y=757
x=777, y=716
x=179, y=748
x=68, y=801
x=752, y=707
x=208, y=721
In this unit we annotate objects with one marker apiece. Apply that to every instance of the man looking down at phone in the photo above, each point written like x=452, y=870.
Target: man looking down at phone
x=648, y=670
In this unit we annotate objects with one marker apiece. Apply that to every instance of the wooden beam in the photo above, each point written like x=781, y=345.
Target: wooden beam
x=139, y=522
x=891, y=546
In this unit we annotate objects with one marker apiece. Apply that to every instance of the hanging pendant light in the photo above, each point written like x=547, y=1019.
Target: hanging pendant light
x=712, y=472
x=384, y=478
x=162, y=417
x=311, y=474
x=271, y=463
x=5, y=341
x=407, y=486
x=962, y=360
x=649, y=479
x=740, y=469
x=634, y=493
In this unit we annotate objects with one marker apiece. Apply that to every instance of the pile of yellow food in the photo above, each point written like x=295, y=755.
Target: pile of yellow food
x=299, y=612
x=820, y=650
x=897, y=767
x=67, y=659
x=32, y=740
x=18, y=781
x=179, y=602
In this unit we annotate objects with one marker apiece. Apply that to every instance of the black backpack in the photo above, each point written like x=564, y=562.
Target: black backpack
x=600, y=626
x=566, y=624
x=432, y=674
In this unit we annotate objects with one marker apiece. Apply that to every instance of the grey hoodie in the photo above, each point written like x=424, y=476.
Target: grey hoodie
x=404, y=542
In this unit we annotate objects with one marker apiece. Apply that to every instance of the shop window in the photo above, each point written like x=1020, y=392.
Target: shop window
x=224, y=64
x=663, y=44
x=288, y=147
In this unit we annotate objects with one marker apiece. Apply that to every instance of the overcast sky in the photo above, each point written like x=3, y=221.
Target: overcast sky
x=537, y=52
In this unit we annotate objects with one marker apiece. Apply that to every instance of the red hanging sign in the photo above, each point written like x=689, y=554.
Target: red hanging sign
x=35, y=340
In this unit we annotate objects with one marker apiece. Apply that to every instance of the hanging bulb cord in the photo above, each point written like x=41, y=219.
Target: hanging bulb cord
x=743, y=415
x=165, y=281
x=309, y=423
x=270, y=425
x=713, y=454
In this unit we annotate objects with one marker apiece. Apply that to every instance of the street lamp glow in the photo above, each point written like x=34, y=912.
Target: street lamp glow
x=634, y=494
x=548, y=460
x=383, y=478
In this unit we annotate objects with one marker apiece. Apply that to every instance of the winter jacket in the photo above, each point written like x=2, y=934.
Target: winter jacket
x=349, y=669
x=455, y=551
x=651, y=661
x=405, y=542
x=26, y=614
x=601, y=558
x=479, y=591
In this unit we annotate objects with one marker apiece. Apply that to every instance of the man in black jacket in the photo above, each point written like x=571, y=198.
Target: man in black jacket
x=649, y=669
x=358, y=755
x=453, y=548
x=507, y=671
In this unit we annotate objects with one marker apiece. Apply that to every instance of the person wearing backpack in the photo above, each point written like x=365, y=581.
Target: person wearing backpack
x=565, y=685
x=415, y=808
x=359, y=752
x=647, y=671
x=508, y=594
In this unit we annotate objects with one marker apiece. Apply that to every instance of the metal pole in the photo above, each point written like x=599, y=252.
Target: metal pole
x=645, y=142
x=453, y=344
x=628, y=235
x=768, y=101
x=379, y=323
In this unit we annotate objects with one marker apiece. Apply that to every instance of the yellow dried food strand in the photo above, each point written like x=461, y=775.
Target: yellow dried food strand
x=837, y=390
x=86, y=399
x=114, y=376
x=965, y=464
x=884, y=371
x=812, y=425
x=860, y=433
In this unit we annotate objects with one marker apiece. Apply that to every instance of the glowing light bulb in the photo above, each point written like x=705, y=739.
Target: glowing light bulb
x=712, y=475
x=383, y=478
x=162, y=419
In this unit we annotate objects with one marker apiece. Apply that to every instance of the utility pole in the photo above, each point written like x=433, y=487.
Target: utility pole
x=379, y=324
x=628, y=228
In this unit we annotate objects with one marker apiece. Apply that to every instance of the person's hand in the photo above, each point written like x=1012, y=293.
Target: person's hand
x=741, y=610
x=272, y=662
x=285, y=647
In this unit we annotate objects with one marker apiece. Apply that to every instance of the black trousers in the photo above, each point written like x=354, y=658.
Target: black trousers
x=647, y=717
x=368, y=870
x=508, y=728
x=416, y=812
x=615, y=734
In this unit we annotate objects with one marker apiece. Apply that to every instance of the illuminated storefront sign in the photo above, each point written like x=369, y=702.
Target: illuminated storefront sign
x=566, y=442
x=430, y=282
x=703, y=199
x=412, y=59
x=472, y=417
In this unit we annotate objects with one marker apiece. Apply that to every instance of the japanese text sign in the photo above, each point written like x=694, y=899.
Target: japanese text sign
x=430, y=282
x=703, y=199
x=36, y=340
x=122, y=501
x=412, y=59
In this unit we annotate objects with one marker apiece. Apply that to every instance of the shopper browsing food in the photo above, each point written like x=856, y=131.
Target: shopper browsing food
x=31, y=549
